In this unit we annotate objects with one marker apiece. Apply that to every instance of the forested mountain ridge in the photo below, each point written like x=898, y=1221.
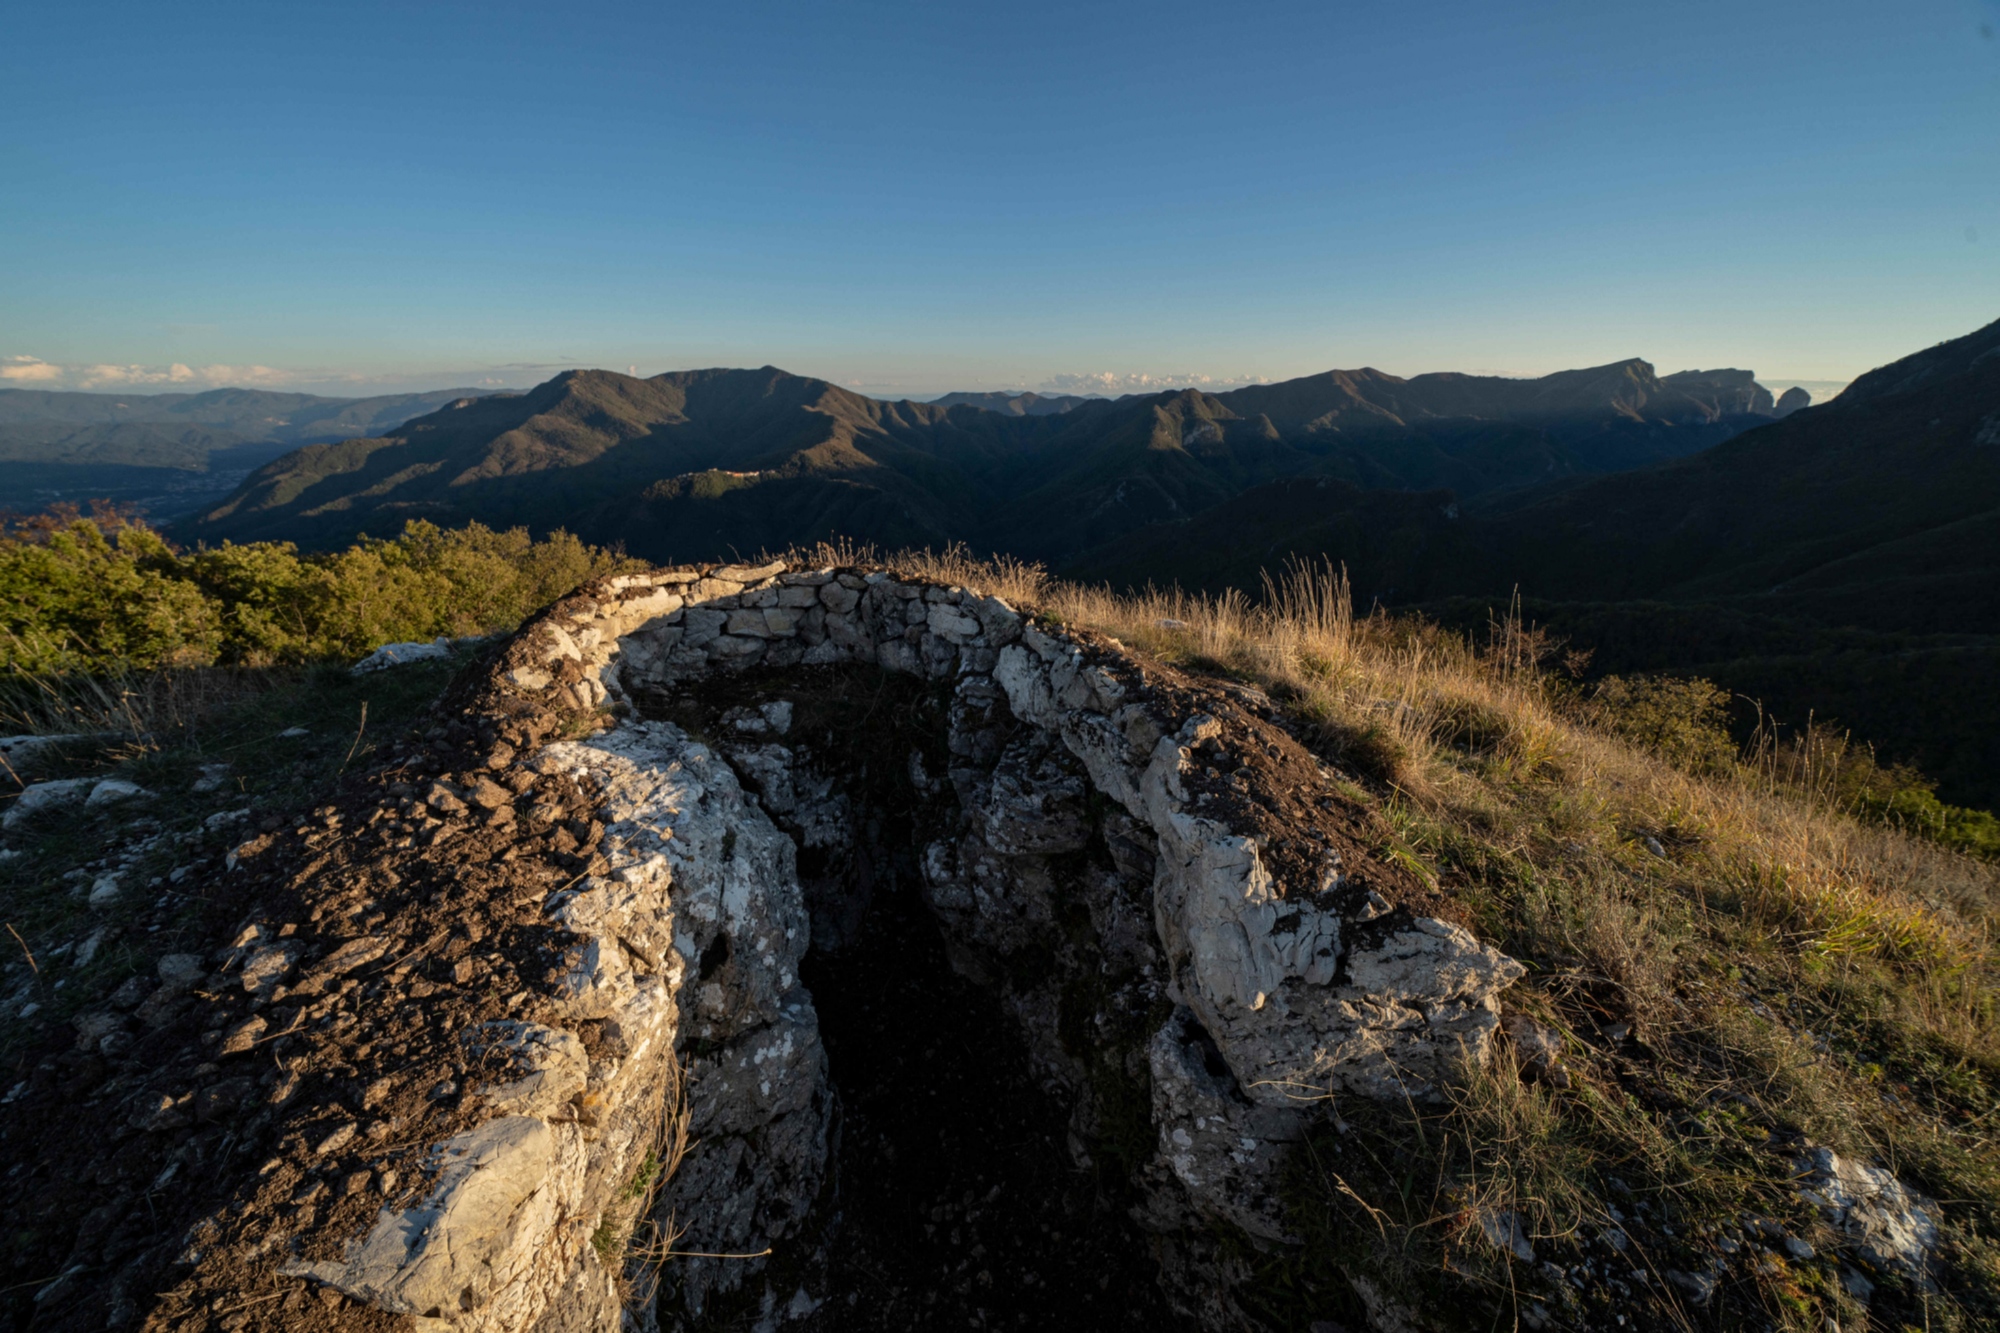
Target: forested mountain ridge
x=694, y=464
x=1843, y=561
x=1880, y=508
x=170, y=451
x=1015, y=404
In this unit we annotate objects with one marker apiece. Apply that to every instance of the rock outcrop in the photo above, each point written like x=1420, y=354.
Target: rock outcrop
x=1790, y=401
x=1890, y=1226
x=1723, y=392
x=559, y=951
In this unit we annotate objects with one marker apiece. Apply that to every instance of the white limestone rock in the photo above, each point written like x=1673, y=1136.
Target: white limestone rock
x=541, y=1070
x=1260, y=964
x=41, y=797
x=700, y=874
x=1223, y=1148
x=694, y=927
x=1886, y=1222
x=1034, y=803
x=462, y=1250
x=115, y=791
x=17, y=750
x=397, y=654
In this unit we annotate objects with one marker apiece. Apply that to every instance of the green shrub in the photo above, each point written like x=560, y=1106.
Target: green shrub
x=1848, y=775
x=710, y=485
x=83, y=595
x=105, y=593
x=1684, y=721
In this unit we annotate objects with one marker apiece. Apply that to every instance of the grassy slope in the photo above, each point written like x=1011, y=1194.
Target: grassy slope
x=1921, y=699
x=1775, y=973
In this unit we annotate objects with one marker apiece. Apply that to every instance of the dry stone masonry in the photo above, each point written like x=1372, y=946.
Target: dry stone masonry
x=639, y=829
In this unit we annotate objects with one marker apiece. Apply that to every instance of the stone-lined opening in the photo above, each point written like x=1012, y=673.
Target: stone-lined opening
x=1167, y=897
x=959, y=1191
x=1171, y=905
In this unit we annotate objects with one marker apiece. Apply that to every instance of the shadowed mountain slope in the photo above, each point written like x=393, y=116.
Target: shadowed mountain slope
x=168, y=452
x=1845, y=557
x=1880, y=508
x=704, y=463
x=608, y=454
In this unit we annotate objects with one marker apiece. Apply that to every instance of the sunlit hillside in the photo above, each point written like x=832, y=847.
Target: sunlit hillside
x=1740, y=965
x=1736, y=958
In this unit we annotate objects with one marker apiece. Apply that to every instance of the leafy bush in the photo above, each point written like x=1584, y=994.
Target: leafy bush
x=1683, y=721
x=104, y=593
x=1825, y=762
x=84, y=594
x=709, y=485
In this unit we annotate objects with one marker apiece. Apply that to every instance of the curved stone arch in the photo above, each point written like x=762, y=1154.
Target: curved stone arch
x=1263, y=949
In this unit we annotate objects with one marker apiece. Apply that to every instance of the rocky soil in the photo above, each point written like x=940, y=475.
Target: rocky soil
x=758, y=946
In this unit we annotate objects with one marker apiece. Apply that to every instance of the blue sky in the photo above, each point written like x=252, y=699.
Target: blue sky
x=912, y=198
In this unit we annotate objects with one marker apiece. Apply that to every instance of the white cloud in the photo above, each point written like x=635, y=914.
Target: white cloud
x=29, y=370
x=105, y=375
x=1111, y=384
x=99, y=376
x=241, y=375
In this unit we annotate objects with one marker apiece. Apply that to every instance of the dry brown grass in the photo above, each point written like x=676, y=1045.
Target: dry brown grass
x=1787, y=967
x=1828, y=879
x=630, y=1240
x=136, y=712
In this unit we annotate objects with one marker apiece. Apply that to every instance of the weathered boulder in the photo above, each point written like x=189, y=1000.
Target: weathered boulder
x=396, y=654
x=41, y=797
x=1889, y=1225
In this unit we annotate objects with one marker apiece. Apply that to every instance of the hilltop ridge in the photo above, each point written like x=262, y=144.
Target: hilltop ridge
x=622, y=459
x=1845, y=557
x=1014, y=404
x=172, y=452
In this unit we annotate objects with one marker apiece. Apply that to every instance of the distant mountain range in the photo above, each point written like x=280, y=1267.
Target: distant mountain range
x=170, y=452
x=1845, y=559
x=697, y=464
x=1841, y=557
x=1015, y=404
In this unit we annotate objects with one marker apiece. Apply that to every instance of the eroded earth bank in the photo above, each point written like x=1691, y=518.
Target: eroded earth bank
x=771, y=947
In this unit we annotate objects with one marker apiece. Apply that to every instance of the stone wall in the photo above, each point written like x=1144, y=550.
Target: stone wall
x=1236, y=931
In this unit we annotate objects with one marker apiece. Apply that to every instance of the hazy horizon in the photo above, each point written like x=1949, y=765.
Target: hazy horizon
x=1073, y=386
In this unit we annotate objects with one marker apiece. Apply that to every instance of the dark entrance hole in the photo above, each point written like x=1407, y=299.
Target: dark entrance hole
x=954, y=1197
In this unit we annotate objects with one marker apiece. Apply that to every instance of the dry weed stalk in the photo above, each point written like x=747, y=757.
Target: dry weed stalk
x=639, y=1257
x=1421, y=693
